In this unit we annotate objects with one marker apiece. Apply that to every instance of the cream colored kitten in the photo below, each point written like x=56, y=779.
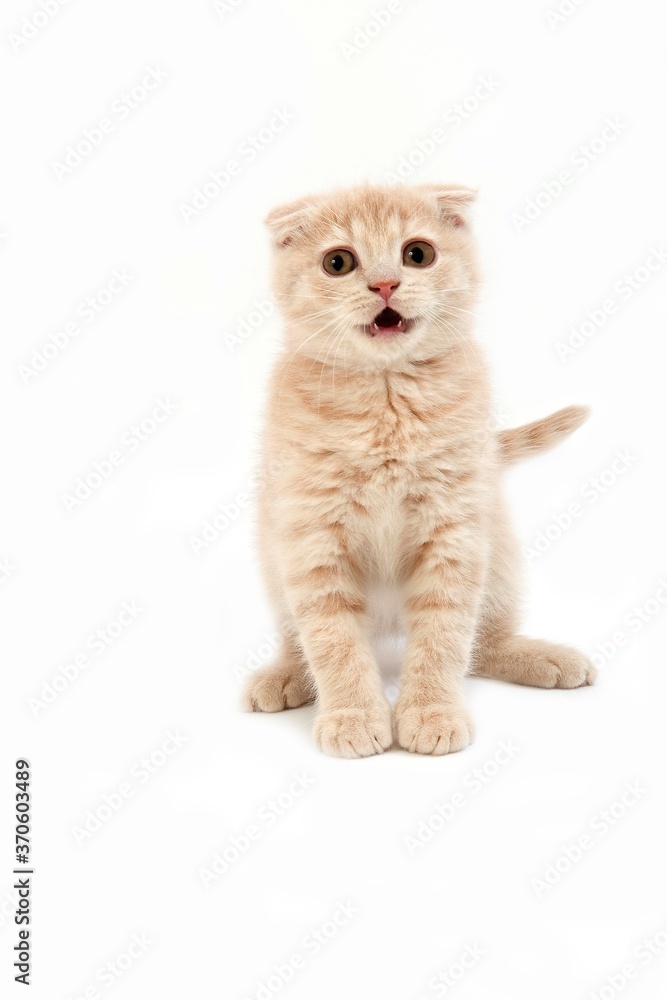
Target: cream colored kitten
x=382, y=472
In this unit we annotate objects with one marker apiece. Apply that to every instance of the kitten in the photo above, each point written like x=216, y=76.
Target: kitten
x=381, y=470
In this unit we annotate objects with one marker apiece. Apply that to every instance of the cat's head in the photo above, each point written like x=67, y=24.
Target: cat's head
x=375, y=275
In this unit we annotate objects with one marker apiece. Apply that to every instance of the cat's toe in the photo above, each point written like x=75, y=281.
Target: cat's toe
x=577, y=671
x=434, y=729
x=273, y=690
x=562, y=667
x=536, y=662
x=354, y=732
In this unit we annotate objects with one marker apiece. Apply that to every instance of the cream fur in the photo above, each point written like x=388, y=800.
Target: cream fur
x=382, y=475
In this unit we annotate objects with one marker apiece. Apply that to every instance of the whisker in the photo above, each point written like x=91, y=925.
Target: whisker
x=333, y=341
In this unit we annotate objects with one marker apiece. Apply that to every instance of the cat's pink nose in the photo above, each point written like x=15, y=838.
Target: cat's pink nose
x=385, y=288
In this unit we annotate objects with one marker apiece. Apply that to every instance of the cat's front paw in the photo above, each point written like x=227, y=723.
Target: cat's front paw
x=434, y=729
x=276, y=688
x=354, y=732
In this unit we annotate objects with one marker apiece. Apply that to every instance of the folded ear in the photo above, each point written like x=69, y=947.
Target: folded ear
x=453, y=202
x=288, y=222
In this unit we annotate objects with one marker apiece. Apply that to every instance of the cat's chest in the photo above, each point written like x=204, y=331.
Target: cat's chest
x=388, y=503
x=400, y=449
x=395, y=426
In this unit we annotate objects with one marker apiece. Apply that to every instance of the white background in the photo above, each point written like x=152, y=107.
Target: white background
x=360, y=106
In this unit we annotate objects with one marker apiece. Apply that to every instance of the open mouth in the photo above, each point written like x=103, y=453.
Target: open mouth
x=388, y=323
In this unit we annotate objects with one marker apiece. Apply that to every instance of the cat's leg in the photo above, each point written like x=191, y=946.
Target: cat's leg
x=287, y=683
x=328, y=605
x=442, y=595
x=535, y=662
x=499, y=651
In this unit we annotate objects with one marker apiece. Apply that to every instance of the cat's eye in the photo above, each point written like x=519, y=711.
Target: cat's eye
x=339, y=262
x=419, y=253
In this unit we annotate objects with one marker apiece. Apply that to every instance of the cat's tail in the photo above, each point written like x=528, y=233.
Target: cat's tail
x=530, y=439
